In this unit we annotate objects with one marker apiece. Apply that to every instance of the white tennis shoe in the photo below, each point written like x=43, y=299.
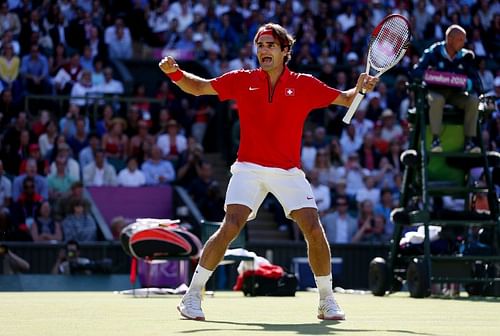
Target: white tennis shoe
x=330, y=310
x=190, y=306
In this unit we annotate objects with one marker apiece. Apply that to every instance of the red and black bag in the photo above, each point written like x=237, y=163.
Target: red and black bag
x=153, y=239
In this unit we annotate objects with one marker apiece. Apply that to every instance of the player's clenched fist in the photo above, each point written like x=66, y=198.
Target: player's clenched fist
x=168, y=65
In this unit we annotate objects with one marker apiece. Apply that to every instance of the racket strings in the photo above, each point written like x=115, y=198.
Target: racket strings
x=391, y=40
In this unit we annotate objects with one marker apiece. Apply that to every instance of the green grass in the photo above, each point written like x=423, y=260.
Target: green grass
x=229, y=313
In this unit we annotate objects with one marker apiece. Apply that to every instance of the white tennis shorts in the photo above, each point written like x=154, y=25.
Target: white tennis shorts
x=251, y=182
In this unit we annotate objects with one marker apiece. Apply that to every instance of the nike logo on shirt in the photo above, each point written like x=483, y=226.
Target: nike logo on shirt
x=251, y=88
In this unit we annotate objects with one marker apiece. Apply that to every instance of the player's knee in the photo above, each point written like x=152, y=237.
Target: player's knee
x=313, y=231
x=436, y=100
x=229, y=230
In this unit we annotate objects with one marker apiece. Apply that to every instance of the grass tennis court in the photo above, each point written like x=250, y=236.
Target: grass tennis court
x=229, y=313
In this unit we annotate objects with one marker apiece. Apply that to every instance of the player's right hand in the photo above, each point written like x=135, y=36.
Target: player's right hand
x=168, y=65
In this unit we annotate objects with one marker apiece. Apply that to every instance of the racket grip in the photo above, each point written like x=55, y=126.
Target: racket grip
x=352, y=109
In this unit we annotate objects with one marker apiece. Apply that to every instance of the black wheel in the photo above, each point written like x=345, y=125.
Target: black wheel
x=378, y=276
x=418, y=279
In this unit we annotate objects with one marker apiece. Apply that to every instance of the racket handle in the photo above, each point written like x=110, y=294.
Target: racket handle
x=354, y=106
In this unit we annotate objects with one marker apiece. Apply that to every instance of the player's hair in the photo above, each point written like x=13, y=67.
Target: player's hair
x=281, y=34
x=453, y=29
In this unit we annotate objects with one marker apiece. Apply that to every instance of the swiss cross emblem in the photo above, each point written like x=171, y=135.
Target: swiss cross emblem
x=289, y=92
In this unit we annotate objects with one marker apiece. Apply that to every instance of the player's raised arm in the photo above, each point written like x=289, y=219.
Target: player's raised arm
x=186, y=81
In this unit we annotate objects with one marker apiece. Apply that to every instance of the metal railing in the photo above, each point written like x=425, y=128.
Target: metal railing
x=92, y=104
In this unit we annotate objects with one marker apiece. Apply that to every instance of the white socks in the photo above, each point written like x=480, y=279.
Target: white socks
x=324, y=284
x=200, y=278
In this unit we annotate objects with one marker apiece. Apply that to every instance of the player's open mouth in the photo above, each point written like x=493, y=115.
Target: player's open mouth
x=266, y=60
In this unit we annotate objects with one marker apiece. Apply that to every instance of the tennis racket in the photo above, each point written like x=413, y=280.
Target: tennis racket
x=387, y=46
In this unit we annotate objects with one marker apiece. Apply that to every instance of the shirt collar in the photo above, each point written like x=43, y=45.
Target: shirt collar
x=283, y=77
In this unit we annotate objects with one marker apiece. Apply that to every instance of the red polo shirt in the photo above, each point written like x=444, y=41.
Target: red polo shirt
x=271, y=123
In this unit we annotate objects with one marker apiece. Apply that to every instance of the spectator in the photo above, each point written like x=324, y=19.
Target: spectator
x=82, y=88
x=59, y=182
x=134, y=114
x=72, y=169
x=369, y=191
x=141, y=143
x=104, y=124
x=372, y=231
x=9, y=38
x=78, y=141
x=198, y=189
x=9, y=107
x=361, y=123
x=321, y=192
x=41, y=163
x=79, y=225
x=486, y=76
x=100, y=172
x=87, y=60
x=354, y=174
x=336, y=154
x=35, y=72
x=59, y=33
x=19, y=153
x=115, y=30
x=394, y=155
x=10, y=20
x=38, y=126
x=189, y=162
x=97, y=72
x=172, y=144
x=120, y=45
x=369, y=155
x=391, y=130
x=435, y=30
x=63, y=206
x=97, y=46
x=67, y=124
x=157, y=170
x=131, y=176
x=11, y=141
x=87, y=153
x=384, y=175
x=9, y=68
x=5, y=191
x=339, y=225
x=23, y=210
x=350, y=141
x=40, y=182
x=45, y=227
x=397, y=95
x=110, y=86
x=115, y=143
x=58, y=60
x=384, y=208
x=327, y=173
x=68, y=258
x=68, y=75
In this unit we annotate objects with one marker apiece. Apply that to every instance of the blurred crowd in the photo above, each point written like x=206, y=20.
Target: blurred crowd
x=48, y=154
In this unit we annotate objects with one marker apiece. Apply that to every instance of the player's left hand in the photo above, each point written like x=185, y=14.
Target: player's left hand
x=366, y=83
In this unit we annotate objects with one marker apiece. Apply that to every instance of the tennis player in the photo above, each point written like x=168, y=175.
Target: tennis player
x=273, y=104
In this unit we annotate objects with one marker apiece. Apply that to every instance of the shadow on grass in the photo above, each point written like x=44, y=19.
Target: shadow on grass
x=467, y=298
x=320, y=328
